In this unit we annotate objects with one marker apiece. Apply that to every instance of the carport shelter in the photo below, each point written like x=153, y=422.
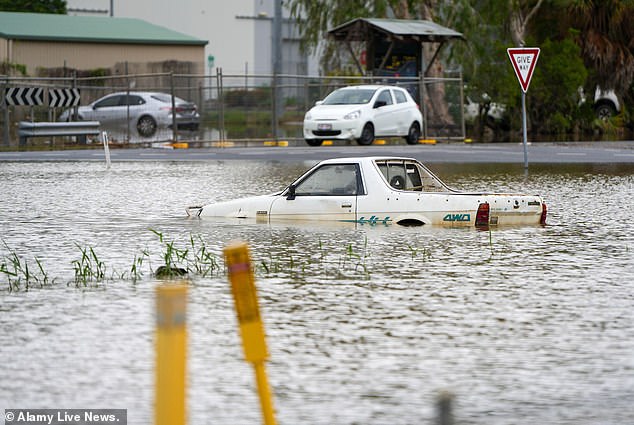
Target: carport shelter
x=394, y=46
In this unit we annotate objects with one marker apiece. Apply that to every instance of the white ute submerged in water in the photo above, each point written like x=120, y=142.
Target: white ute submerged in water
x=380, y=190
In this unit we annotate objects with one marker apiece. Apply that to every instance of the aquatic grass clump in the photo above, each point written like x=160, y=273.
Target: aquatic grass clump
x=18, y=272
x=89, y=268
x=357, y=260
x=195, y=258
x=204, y=263
x=172, y=256
x=425, y=253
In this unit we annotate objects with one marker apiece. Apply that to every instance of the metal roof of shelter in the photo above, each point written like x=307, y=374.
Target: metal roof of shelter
x=397, y=31
x=419, y=30
x=88, y=29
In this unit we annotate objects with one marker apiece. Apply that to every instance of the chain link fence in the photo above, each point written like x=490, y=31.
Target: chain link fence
x=138, y=108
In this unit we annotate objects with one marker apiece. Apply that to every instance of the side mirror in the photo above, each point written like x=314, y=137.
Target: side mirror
x=319, y=102
x=290, y=194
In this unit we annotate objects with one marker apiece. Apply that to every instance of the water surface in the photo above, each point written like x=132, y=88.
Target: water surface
x=365, y=324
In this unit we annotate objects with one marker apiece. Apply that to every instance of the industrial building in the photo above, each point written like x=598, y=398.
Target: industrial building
x=44, y=44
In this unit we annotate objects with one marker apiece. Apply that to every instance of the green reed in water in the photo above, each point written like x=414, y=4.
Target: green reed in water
x=89, y=268
x=194, y=257
x=18, y=272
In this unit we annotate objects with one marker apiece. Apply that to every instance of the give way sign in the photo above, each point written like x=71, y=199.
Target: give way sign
x=523, y=60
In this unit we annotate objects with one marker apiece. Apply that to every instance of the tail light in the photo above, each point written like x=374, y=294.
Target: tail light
x=542, y=219
x=482, y=216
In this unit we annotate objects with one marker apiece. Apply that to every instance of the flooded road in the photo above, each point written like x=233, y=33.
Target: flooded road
x=365, y=324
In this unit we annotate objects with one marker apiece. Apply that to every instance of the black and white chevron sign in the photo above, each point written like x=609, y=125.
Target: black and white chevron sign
x=63, y=97
x=24, y=96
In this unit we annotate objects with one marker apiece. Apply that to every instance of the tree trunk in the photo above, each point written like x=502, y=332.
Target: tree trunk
x=436, y=102
x=518, y=21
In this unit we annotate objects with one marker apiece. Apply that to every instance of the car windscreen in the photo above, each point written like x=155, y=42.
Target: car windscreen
x=349, y=97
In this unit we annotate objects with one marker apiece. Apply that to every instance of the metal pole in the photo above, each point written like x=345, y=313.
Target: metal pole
x=5, y=111
x=174, y=130
x=221, y=115
x=464, y=130
x=524, y=129
x=277, y=64
x=127, y=102
x=106, y=148
x=423, y=107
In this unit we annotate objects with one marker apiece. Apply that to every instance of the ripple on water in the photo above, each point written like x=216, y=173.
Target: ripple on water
x=365, y=325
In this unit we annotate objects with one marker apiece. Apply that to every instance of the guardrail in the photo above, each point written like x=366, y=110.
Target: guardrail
x=83, y=129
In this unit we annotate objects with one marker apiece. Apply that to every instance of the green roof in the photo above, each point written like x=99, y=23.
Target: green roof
x=88, y=29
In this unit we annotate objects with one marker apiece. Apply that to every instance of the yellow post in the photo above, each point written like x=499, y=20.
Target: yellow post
x=171, y=341
x=251, y=328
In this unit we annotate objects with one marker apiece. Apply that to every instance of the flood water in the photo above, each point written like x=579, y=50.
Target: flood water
x=365, y=324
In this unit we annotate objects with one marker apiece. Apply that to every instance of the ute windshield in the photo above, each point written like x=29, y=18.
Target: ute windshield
x=349, y=96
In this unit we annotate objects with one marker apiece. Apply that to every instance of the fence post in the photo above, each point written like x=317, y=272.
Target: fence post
x=221, y=104
x=5, y=111
x=174, y=129
x=463, y=125
x=127, y=101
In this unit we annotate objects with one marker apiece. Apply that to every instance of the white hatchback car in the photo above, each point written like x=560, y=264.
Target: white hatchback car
x=362, y=113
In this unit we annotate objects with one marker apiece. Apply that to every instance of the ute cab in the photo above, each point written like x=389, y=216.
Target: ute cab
x=380, y=190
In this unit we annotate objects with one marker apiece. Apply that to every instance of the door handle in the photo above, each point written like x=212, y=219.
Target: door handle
x=346, y=205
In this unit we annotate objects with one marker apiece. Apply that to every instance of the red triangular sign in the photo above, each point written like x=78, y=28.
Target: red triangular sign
x=523, y=60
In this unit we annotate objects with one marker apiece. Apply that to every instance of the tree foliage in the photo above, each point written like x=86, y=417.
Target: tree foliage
x=34, y=6
x=605, y=34
x=554, y=90
x=584, y=43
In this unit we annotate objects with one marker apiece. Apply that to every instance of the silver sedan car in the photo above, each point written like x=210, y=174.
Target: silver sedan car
x=145, y=111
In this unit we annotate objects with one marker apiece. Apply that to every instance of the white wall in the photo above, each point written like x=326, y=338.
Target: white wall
x=231, y=40
x=237, y=44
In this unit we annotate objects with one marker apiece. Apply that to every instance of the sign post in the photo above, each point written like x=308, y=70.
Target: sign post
x=523, y=60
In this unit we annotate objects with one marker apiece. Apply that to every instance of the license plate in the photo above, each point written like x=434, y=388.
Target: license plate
x=324, y=126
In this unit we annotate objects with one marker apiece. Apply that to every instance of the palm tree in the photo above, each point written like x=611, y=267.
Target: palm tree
x=605, y=37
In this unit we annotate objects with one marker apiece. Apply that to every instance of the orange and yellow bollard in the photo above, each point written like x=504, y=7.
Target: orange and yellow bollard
x=251, y=328
x=171, y=356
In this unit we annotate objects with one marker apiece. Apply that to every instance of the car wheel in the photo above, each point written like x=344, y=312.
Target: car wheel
x=146, y=126
x=413, y=134
x=605, y=111
x=314, y=142
x=367, y=135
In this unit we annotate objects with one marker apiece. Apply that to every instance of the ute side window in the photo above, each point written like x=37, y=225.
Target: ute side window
x=331, y=180
x=409, y=176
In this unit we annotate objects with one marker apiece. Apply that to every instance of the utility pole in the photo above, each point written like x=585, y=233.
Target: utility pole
x=277, y=65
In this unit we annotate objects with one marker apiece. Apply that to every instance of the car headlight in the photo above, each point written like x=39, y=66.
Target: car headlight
x=352, y=115
x=307, y=116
